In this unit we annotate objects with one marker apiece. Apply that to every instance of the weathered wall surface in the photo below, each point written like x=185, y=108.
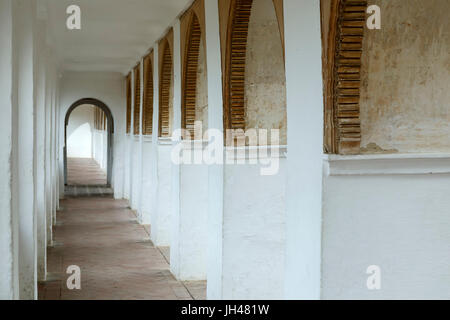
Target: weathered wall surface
x=201, y=107
x=405, y=101
x=265, y=80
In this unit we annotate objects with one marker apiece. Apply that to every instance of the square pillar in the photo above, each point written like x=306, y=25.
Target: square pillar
x=24, y=145
x=215, y=171
x=9, y=280
x=305, y=148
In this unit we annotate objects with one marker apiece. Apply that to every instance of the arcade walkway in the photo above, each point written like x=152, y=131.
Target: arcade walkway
x=116, y=258
x=81, y=171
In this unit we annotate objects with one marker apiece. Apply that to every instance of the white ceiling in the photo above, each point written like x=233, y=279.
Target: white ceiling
x=114, y=33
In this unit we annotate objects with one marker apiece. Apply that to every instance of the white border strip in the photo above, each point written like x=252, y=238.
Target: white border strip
x=387, y=164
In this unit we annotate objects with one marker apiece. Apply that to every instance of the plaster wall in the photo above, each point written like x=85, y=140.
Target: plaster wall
x=147, y=182
x=405, y=74
x=201, y=100
x=135, y=183
x=100, y=148
x=161, y=225
x=109, y=88
x=254, y=233
x=265, y=79
x=192, y=228
x=80, y=132
x=127, y=168
x=393, y=219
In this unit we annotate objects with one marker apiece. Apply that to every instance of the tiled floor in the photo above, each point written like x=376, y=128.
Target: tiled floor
x=84, y=171
x=116, y=258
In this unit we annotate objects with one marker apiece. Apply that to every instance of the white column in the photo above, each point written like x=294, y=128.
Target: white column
x=48, y=159
x=141, y=113
x=54, y=147
x=24, y=136
x=40, y=160
x=8, y=267
x=216, y=172
x=57, y=142
x=175, y=230
x=305, y=140
x=154, y=153
x=131, y=141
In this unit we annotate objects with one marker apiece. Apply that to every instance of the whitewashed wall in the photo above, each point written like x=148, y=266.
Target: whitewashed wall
x=188, y=252
x=389, y=211
x=135, y=178
x=109, y=88
x=28, y=91
x=80, y=132
x=253, y=232
x=100, y=148
x=147, y=182
x=160, y=234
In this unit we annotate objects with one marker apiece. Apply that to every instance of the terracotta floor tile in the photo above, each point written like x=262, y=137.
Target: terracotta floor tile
x=116, y=258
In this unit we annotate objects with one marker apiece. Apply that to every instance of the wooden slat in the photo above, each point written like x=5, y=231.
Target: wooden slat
x=137, y=99
x=147, y=121
x=190, y=75
x=128, y=103
x=164, y=93
x=347, y=75
x=235, y=104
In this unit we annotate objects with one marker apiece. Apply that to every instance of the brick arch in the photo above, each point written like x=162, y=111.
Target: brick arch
x=192, y=52
x=342, y=43
x=234, y=25
x=166, y=78
x=147, y=117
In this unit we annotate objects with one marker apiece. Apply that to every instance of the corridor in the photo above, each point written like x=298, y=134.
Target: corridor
x=84, y=171
x=262, y=149
x=116, y=257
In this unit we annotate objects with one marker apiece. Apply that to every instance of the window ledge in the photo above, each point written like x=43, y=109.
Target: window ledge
x=165, y=141
x=387, y=164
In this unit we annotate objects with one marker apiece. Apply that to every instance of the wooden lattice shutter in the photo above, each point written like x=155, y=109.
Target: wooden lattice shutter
x=137, y=99
x=343, y=78
x=237, y=51
x=129, y=103
x=147, y=121
x=190, y=76
x=164, y=97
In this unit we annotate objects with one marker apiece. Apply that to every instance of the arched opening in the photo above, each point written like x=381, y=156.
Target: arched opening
x=254, y=75
x=166, y=92
x=128, y=103
x=195, y=99
x=147, y=117
x=102, y=120
x=137, y=99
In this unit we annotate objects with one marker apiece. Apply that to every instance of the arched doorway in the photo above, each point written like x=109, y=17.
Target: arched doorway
x=110, y=132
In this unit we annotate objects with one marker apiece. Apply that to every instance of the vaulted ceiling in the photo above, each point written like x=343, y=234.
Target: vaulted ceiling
x=114, y=33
